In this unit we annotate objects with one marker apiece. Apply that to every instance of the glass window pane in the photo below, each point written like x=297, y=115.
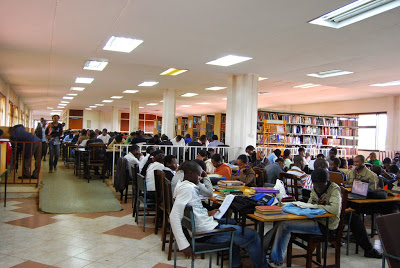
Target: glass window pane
x=381, y=132
x=366, y=138
x=367, y=120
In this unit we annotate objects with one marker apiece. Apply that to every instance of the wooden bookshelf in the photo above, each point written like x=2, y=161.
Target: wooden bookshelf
x=181, y=126
x=220, y=125
x=194, y=126
x=313, y=130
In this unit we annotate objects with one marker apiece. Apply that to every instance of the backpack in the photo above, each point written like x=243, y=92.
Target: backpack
x=244, y=204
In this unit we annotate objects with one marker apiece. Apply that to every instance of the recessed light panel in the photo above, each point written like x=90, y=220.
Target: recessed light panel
x=72, y=94
x=152, y=104
x=68, y=98
x=329, y=73
x=116, y=97
x=122, y=44
x=52, y=113
x=50, y=108
x=185, y=106
x=77, y=88
x=229, y=60
x=95, y=65
x=263, y=93
x=215, y=88
x=107, y=101
x=84, y=80
x=189, y=95
x=89, y=109
x=56, y=110
x=306, y=85
x=64, y=101
x=173, y=71
x=140, y=107
x=92, y=106
x=224, y=98
x=148, y=84
x=61, y=104
x=203, y=103
x=62, y=107
x=387, y=84
x=130, y=91
x=99, y=104
x=262, y=78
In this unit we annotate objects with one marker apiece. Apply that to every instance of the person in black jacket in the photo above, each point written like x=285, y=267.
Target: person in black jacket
x=40, y=133
x=53, y=132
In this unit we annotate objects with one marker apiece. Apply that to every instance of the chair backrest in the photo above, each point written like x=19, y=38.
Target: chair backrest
x=344, y=193
x=260, y=176
x=292, y=184
x=188, y=219
x=97, y=153
x=167, y=192
x=389, y=235
x=141, y=183
x=159, y=177
x=134, y=172
x=336, y=177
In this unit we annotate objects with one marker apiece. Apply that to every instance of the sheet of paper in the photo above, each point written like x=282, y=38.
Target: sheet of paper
x=303, y=205
x=224, y=207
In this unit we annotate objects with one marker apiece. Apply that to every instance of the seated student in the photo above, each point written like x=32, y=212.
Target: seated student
x=245, y=173
x=311, y=163
x=157, y=165
x=178, y=141
x=274, y=170
x=220, y=167
x=324, y=195
x=362, y=173
x=82, y=136
x=274, y=155
x=170, y=166
x=302, y=153
x=287, y=158
x=186, y=193
x=261, y=160
x=85, y=158
x=130, y=138
x=118, y=140
x=332, y=153
x=202, y=155
x=134, y=156
x=214, y=142
x=69, y=137
x=187, y=138
x=343, y=166
x=194, y=143
x=143, y=161
x=250, y=153
x=209, y=164
x=334, y=166
x=373, y=160
x=297, y=169
x=394, y=186
x=149, y=161
x=165, y=140
x=387, y=162
x=138, y=138
x=203, y=140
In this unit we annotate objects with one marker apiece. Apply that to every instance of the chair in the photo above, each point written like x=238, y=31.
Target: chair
x=314, y=241
x=292, y=184
x=188, y=222
x=336, y=177
x=134, y=172
x=159, y=177
x=389, y=236
x=167, y=192
x=97, y=154
x=261, y=176
x=142, y=196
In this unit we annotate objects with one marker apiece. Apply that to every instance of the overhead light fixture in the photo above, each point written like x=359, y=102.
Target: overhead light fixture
x=95, y=65
x=77, y=88
x=116, y=97
x=72, y=94
x=84, y=80
x=61, y=104
x=306, y=85
x=93, y=106
x=56, y=110
x=203, y=103
x=62, y=107
x=224, y=98
x=89, y=109
x=185, y=106
x=152, y=104
x=140, y=107
x=122, y=44
x=354, y=12
x=215, y=88
x=173, y=71
x=107, y=101
x=130, y=91
x=53, y=113
x=161, y=100
x=64, y=101
x=189, y=95
x=68, y=98
x=148, y=84
x=329, y=73
x=229, y=60
x=50, y=108
x=99, y=104
x=387, y=84
x=263, y=93
x=261, y=78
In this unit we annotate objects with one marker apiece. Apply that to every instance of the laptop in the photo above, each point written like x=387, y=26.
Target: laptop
x=359, y=190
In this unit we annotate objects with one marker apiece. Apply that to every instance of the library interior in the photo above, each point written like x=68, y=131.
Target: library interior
x=199, y=134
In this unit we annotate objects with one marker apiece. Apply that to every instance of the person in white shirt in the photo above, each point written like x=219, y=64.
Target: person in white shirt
x=178, y=141
x=104, y=136
x=209, y=164
x=144, y=159
x=170, y=166
x=187, y=193
x=157, y=165
x=134, y=156
x=297, y=169
x=311, y=163
x=214, y=142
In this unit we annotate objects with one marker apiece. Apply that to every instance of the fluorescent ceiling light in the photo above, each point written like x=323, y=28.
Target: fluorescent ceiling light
x=189, y=94
x=122, y=44
x=116, y=97
x=229, y=60
x=215, y=88
x=354, y=12
x=99, y=104
x=148, y=84
x=161, y=100
x=93, y=106
x=130, y=91
x=72, y=94
x=61, y=107
x=140, y=107
x=108, y=101
x=224, y=98
x=173, y=71
x=50, y=108
x=89, y=109
x=262, y=78
x=56, y=110
x=152, y=104
x=95, y=65
x=77, y=88
x=68, y=98
x=387, y=84
x=203, y=103
x=263, y=93
x=84, y=80
x=186, y=106
x=61, y=104
x=329, y=73
x=63, y=101
x=53, y=113
x=306, y=85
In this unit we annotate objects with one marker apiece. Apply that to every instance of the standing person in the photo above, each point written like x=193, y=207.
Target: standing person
x=53, y=132
x=40, y=133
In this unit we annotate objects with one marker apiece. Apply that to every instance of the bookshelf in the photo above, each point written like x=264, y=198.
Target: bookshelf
x=274, y=132
x=220, y=125
x=207, y=125
x=313, y=130
x=193, y=129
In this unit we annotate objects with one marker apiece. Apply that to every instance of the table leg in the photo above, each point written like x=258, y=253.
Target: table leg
x=261, y=234
x=5, y=188
x=326, y=241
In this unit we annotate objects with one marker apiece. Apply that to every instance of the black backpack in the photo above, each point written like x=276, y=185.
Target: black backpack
x=244, y=205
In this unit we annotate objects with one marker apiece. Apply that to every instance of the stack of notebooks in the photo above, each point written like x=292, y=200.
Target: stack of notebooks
x=230, y=185
x=265, y=190
x=270, y=212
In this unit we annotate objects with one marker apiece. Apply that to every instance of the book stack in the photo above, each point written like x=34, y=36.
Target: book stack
x=265, y=190
x=224, y=193
x=230, y=185
x=270, y=212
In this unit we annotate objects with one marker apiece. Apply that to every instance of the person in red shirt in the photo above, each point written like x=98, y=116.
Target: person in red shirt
x=220, y=167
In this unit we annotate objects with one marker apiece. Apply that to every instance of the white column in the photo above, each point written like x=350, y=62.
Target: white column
x=115, y=119
x=134, y=116
x=241, y=112
x=168, y=119
x=393, y=126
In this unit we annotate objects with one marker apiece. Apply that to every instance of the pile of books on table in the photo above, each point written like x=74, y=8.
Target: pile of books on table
x=270, y=212
x=229, y=187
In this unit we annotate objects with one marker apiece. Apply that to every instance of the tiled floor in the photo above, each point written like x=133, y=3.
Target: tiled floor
x=31, y=239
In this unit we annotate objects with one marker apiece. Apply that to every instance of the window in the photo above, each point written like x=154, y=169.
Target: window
x=2, y=110
x=372, y=131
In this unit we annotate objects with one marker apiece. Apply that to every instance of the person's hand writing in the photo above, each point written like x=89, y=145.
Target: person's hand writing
x=188, y=253
x=212, y=212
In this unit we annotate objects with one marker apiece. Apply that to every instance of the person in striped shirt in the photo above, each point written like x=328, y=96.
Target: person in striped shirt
x=297, y=169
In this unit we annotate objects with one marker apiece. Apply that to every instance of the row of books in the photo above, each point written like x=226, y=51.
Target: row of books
x=348, y=123
x=294, y=129
x=348, y=142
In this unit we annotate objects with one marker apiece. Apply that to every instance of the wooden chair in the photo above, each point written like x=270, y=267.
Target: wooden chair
x=261, y=176
x=134, y=172
x=389, y=236
x=292, y=184
x=97, y=154
x=314, y=241
x=336, y=177
x=142, y=197
x=159, y=177
x=166, y=228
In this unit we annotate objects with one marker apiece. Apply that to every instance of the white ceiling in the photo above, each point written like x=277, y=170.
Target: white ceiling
x=45, y=43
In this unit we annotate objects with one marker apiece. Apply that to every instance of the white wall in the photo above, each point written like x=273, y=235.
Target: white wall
x=94, y=117
x=106, y=119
